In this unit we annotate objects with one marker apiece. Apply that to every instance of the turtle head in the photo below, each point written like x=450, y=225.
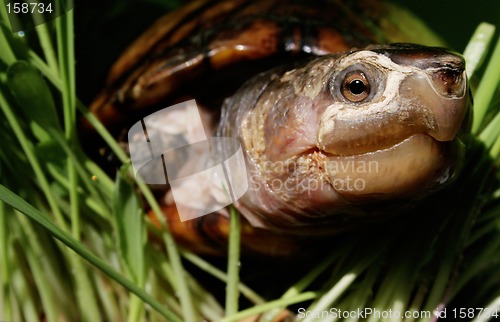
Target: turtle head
x=402, y=106
x=381, y=123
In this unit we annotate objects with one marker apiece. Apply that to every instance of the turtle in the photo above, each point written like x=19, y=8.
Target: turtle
x=314, y=93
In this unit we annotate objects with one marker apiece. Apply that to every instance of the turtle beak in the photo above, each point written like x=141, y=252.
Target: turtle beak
x=441, y=88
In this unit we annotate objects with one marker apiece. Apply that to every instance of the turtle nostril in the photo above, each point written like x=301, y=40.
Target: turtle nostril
x=449, y=82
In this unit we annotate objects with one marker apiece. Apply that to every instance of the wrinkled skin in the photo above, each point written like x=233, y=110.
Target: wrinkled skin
x=314, y=155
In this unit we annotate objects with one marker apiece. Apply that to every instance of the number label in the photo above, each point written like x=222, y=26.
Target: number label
x=31, y=7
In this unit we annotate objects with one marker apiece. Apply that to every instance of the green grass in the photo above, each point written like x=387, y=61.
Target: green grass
x=74, y=245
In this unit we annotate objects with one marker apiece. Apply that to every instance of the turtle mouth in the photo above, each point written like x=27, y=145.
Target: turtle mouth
x=416, y=163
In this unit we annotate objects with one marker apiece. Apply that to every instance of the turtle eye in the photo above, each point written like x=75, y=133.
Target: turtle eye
x=355, y=87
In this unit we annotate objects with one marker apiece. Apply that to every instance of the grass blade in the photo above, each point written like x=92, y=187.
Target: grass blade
x=477, y=48
x=485, y=91
x=131, y=233
x=233, y=264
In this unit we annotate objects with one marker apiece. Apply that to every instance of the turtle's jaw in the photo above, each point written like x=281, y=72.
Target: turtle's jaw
x=417, y=163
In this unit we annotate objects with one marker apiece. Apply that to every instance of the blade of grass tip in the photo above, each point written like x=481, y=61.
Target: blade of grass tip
x=477, y=47
x=18, y=203
x=233, y=263
x=486, y=89
x=258, y=309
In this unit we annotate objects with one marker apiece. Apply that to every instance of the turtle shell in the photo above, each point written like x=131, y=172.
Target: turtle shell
x=207, y=49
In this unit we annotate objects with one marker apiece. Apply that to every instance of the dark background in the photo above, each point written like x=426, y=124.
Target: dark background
x=105, y=28
x=455, y=20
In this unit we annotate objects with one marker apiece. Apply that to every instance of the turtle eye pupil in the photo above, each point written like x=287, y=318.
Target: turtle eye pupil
x=357, y=87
